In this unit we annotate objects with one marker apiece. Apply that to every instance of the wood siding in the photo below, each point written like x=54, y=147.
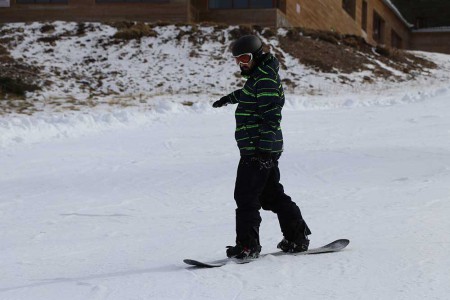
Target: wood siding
x=322, y=15
x=89, y=10
x=431, y=41
x=262, y=17
x=327, y=15
x=267, y=17
x=330, y=16
x=392, y=23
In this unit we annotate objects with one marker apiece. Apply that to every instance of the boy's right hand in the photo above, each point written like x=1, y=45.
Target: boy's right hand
x=222, y=102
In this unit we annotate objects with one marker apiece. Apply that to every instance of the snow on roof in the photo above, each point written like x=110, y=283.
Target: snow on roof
x=397, y=12
x=433, y=29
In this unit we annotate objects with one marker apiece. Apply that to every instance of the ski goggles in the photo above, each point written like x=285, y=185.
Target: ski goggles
x=243, y=59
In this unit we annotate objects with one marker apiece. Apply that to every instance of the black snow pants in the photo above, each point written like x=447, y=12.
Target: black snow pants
x=258, y=188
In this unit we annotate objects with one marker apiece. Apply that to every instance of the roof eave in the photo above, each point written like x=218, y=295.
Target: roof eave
x=397, y=12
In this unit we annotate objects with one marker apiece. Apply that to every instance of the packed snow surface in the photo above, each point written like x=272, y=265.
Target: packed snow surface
x=111, y=214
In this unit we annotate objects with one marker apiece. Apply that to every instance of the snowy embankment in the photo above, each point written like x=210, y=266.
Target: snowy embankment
x=22, y=129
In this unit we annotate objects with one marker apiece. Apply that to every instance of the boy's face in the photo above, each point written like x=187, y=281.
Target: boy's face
x=245, y=62
x=247, y=67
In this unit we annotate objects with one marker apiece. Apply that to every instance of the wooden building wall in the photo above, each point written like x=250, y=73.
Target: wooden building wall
x=330, y=16
x=262, y=17
x=322, y=15
x=325, y=15
x=393, y=23
x=89, y=10
x=431, y=41
x=315, y=14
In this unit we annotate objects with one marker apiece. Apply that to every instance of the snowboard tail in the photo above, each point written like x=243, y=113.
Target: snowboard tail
x=335, y=246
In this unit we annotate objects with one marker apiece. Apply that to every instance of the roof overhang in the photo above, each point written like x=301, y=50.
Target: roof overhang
x=433, y=29
x=397, y=12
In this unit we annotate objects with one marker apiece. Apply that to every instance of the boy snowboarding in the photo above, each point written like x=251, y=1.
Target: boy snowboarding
x=259, y=138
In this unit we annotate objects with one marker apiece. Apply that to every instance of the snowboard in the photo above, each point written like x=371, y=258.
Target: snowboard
x=335, y=246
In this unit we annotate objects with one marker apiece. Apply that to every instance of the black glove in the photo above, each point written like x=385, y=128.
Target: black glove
x=264, y=159
x=222, y=102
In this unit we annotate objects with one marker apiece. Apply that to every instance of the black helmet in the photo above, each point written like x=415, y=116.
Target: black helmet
x=247, y=44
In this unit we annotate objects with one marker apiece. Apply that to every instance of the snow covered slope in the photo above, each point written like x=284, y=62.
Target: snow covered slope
x=84, y=64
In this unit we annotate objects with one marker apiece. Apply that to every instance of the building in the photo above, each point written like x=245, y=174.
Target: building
x=378, y=21
x=431, y=20
x=94, y=10
x=425, y=14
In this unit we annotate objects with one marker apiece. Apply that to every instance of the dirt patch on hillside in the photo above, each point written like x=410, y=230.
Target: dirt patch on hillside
x=133, y=31
x=16, y=79
x=331, y=52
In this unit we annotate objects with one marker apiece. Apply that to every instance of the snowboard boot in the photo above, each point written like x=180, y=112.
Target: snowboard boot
x=293, y=247
x=243, y=252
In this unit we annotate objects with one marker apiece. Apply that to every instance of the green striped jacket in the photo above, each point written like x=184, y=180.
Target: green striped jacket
x=258, y=114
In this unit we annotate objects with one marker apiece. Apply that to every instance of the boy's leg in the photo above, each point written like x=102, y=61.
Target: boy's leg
x=250, y=182
x=289, y=215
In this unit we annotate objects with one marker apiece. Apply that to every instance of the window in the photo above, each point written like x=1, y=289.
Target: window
x=396, y=40
x=220, y=4
x=421, y=22
x=378, y=28
x=224, y=4
x=131, y=1
x=364, y=16
x=240, y=4
x=281, y=5
x=4, y=3
x=41, y=1
x=350, y=7
x=261, y=4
